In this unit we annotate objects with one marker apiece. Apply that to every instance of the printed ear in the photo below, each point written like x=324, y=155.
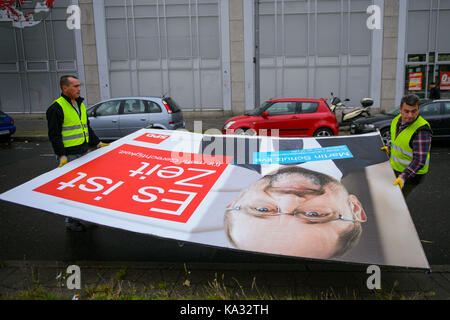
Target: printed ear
x=357, y=208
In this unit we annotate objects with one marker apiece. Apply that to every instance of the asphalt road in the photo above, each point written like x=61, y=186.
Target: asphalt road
x=31, y=234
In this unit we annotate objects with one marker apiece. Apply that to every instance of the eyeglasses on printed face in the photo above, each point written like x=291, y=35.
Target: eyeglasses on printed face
x=311, y=216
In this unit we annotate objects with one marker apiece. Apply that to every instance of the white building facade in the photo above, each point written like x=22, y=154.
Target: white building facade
x=202, y=52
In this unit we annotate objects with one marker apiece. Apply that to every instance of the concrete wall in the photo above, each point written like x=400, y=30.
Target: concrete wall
x=89, y=51
x=390, y=39
x=237, y=57
x=389, y=60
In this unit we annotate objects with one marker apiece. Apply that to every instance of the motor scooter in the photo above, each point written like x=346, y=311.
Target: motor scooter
x=353, y=113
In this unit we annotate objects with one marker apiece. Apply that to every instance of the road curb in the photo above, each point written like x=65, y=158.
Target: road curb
x=29, y=138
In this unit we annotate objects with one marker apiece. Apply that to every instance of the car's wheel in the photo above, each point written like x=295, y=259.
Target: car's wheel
x=251, y=132
x=323, y=132
x=5, y=138
x=240, y=131
x=386, y=135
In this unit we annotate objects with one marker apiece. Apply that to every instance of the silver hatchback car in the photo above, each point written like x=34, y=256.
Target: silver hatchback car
x=115, y=118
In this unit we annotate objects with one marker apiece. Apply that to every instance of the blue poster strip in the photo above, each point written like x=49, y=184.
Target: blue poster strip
x=304, y=155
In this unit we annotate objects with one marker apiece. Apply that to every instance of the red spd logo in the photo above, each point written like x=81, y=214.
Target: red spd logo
x=154, y=138
x=143, y=181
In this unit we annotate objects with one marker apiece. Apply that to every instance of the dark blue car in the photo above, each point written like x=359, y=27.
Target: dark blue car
x=7, y=127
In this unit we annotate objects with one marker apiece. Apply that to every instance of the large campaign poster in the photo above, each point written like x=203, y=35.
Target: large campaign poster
x=317, y=198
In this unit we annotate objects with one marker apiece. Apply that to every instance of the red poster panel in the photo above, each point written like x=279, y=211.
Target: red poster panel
x=415, y=81
x=142, y=181
x=152, y=138
x=445, y=80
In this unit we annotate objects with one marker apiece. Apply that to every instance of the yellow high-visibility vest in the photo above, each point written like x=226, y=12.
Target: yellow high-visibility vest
x=401, y=152
x=75, y=129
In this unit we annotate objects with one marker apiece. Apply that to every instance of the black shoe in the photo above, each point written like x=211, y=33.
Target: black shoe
x=74, y=225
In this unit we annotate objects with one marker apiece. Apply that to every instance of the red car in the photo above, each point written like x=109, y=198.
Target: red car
x=292, y=117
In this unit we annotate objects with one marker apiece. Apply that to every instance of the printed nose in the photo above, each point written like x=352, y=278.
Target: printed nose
x=288, y=203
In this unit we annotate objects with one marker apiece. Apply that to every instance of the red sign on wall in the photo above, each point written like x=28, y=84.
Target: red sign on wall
x=415, y=81
x=445, y=80
x=142, y=181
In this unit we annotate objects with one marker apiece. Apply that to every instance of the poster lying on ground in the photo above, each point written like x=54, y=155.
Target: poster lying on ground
x=317, y=198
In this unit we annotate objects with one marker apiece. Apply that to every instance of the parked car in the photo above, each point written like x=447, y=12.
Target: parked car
x=115, y=118
x=7, y=127
x=292, y=117
x=436, y=112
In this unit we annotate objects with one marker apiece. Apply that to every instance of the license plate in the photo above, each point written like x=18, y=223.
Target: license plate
x=2, y=132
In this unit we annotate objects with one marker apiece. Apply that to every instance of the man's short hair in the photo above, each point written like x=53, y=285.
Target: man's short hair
x=65, y=80
x=410, y=100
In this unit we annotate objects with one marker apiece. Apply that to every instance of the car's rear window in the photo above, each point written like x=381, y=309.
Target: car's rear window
x=2, y=115
x=309, y=107
x=172, y=105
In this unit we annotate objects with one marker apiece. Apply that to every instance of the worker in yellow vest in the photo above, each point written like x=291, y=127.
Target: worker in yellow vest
x=410, y=145
x=69, y=130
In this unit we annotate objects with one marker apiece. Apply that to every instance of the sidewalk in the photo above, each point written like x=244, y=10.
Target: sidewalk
x=34, y=126
x=153, y=280
x=160, y=280
x=31, y=127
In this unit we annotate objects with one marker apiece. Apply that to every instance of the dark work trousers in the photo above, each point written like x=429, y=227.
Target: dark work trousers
x=71, y=157
x=410, y=184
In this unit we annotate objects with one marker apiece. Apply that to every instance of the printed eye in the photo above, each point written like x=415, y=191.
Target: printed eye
x=317, y=215
x=264, y=211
